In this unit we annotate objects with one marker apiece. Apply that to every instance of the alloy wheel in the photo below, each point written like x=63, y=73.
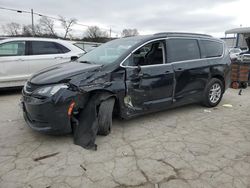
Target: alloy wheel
x=215, y=93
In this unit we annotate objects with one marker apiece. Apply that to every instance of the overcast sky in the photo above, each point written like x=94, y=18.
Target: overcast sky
x=148, y=16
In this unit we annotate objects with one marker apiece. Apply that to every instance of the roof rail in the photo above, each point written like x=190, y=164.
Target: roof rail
x=180, y=33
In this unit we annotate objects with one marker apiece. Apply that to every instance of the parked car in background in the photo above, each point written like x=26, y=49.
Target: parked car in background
x=21, y=57
x=86, y=46
x=133, y=76
x=234, y=52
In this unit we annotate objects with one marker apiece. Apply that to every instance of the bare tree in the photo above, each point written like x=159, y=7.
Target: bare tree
x=94, y=32
x=47, y=26
x=27, y=30
x=12, y=29
x=129, y=32
x=67, y=24
x=39, y=31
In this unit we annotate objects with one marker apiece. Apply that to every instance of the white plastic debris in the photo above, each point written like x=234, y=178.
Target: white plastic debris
x=207, y=111
x=124, y=153
x=227, y=105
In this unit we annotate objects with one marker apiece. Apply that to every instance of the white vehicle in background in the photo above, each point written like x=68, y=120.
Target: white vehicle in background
x=234, y=53
x=21, y=57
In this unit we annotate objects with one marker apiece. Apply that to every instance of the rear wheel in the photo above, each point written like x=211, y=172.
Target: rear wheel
x=105, y=116
x=213, y=93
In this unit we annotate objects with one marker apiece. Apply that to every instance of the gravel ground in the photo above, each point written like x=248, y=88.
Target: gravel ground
x=190, y=146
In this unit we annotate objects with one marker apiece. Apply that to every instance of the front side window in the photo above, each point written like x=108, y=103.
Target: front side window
x=211, y=49
x=150, y=54
x=42, y=48
x=16, y=48
x=182, y=50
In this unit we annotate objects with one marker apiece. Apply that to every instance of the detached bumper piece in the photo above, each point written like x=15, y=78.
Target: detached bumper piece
x=86, y=130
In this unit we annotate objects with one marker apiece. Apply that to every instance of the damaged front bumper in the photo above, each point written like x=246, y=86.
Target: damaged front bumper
x=65, y=111
x=44, y=115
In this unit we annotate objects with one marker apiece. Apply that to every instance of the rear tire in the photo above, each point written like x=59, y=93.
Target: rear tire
x=213, y=93
x=105, y=116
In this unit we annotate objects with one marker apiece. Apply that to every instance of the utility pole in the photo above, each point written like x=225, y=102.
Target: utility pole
x=32, y=22
x=110, y=31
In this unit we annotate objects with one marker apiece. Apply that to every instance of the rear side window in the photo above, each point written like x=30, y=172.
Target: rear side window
x=16, y=48
x=42, y=48
x=211, y=49
x=182, y=50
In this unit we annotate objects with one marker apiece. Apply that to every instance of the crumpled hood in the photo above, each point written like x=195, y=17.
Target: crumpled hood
x=62, y=72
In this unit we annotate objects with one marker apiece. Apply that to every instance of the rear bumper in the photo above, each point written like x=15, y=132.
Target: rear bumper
x=45, y=116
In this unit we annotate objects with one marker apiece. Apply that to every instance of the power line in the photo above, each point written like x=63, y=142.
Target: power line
x=53, y=18
x=15, y=10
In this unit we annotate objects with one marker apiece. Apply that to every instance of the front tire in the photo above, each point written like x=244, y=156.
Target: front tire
x=213, y=93
x=105, y=116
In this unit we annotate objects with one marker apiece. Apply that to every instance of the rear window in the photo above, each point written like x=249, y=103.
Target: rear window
x=43, y=47
x=182, y=50
x=211, y=49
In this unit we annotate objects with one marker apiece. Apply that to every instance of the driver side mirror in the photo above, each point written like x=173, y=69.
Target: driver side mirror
x=73, y=58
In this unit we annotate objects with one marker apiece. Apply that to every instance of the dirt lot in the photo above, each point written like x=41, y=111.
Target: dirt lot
x=183, y=147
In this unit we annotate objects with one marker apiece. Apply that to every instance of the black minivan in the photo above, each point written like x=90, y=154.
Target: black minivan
x=127, y=77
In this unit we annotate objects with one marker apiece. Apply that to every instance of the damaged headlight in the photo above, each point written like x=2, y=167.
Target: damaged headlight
x=49, y=91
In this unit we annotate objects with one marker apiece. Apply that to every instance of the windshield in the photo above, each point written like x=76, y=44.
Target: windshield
x=110, y=51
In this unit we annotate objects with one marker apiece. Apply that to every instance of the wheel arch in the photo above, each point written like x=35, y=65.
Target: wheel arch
x=221, y=78
x=88, y=95
x=112, y=94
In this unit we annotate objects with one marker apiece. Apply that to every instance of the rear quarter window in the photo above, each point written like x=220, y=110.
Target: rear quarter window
x=63, y=48
x=182, y=50
x=211, y=49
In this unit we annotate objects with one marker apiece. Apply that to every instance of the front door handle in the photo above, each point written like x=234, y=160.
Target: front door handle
x=179, y=69
x=166, y=72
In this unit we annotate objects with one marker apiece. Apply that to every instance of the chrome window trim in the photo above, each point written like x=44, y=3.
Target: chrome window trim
x=175, y=62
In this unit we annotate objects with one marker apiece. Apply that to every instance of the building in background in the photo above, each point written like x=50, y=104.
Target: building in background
x=237, y=37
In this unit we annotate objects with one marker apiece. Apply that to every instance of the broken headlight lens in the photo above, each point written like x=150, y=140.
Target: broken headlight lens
x=49, y=91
